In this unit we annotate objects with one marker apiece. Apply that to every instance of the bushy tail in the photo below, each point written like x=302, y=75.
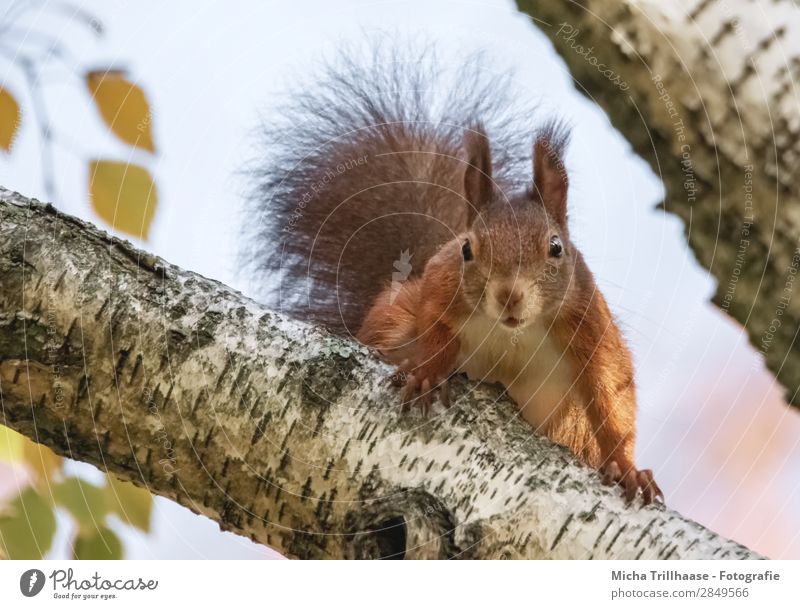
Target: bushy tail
x=363, y=176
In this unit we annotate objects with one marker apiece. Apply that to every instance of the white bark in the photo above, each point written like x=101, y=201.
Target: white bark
x=705, y=91
x=277, y=430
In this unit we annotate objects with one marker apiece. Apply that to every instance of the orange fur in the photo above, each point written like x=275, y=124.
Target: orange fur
x=569, y=369
x=379, y=163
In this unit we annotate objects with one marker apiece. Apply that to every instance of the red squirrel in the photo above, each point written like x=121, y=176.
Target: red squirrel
x=415, y=218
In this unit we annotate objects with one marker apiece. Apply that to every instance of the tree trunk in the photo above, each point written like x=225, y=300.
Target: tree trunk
x=705, y=92
x=278, y=430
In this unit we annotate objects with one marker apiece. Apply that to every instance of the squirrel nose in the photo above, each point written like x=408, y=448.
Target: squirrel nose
x=508, y=298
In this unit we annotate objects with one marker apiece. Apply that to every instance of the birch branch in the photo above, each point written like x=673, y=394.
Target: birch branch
x=277, y=430
x=705, y=91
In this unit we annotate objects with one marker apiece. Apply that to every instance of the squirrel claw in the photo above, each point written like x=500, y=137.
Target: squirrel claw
x=399, y=377
x=611, y=473
x=421, y=391
x=424, y=399
x=650, y=490
x=632, y=481
x=444, y=393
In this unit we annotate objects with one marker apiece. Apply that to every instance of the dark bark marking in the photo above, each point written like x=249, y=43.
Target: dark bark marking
x=561, y=532
x=261, y=428
x=645, y=531
x=614, y=539
x=600, y=536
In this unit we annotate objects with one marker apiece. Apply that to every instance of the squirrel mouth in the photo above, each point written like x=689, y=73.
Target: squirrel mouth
x=512, y=322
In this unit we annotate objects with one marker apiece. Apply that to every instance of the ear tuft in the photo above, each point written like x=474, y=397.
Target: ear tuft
x=478, y=172
x=550, y=181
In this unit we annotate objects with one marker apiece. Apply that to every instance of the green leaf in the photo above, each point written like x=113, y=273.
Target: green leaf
x=28, y=526
x=10, y=116
x=123, y=195
x=123, y=106
x=100, y=544
x=131, y=503
x=85, y=502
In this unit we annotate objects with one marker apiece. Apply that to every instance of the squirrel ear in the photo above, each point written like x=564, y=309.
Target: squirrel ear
x=549, y=174
x=478, y=173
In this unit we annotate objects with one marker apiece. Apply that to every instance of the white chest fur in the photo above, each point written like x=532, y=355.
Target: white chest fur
x=528, y=363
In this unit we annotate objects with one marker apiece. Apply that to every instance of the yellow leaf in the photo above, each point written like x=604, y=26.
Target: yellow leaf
x=131, y=503
x=9, y=119
x=123, y=195
x=123, y=106
x=11, y=445
x=42, y=462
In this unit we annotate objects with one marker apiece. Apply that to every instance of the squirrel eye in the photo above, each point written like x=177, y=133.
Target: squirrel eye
x=466, y=251
x=555, y=247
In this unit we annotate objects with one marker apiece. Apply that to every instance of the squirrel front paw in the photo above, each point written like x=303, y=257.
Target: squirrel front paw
x=420, y=385
x=632, y=480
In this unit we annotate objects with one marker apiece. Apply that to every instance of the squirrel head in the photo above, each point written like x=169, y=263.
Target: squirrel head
x=518, y=260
